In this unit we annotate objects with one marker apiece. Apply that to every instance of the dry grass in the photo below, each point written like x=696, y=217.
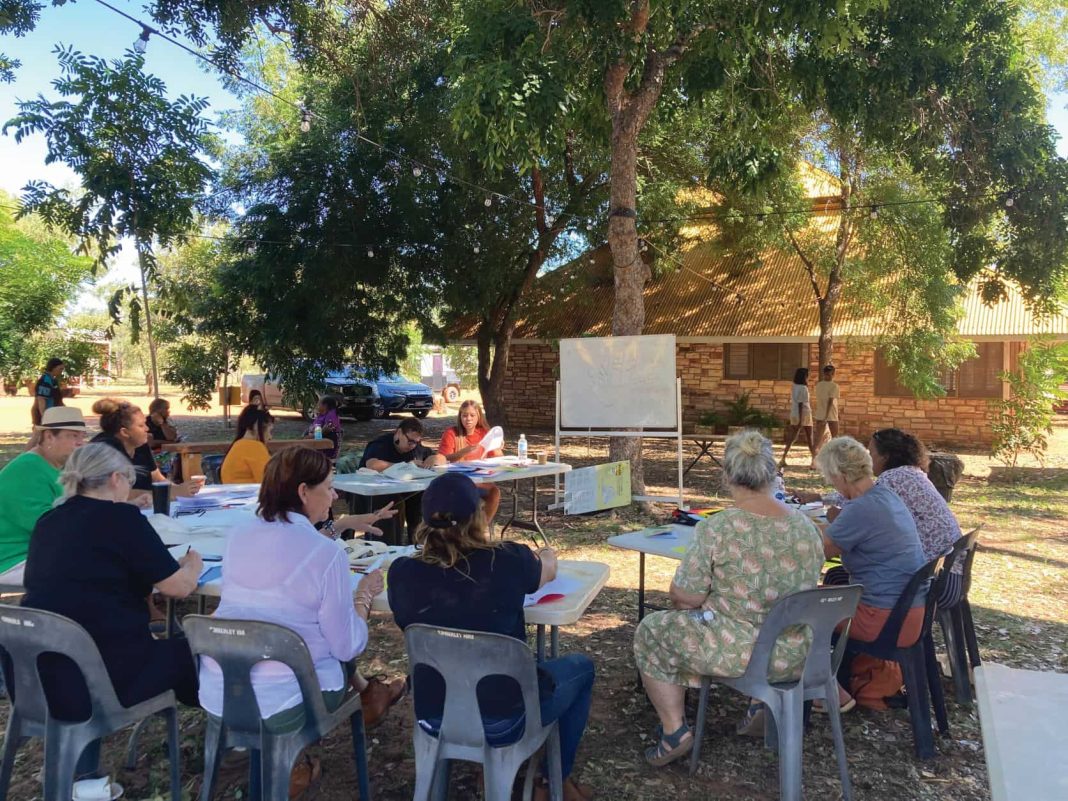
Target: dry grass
x=1020, y=594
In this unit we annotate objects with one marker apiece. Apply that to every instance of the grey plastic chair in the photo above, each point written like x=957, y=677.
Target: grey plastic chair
x=238, y=646
x=463, y=658
x=821, y=610
x=26, y=634
x=958, y=631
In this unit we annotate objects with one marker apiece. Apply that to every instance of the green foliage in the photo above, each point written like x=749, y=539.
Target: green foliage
x=740, y=412
x=136, y=152
x=464, y=360
x=39, y=275
x=1024, y=422
x=195, y=366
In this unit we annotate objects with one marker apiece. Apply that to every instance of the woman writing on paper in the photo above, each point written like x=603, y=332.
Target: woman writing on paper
x=461, y=580
x=467, y=441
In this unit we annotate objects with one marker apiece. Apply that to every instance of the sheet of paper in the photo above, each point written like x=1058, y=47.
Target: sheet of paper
x=561, y=585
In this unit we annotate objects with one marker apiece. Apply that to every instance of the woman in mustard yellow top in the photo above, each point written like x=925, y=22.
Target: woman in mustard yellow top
x=248, y=455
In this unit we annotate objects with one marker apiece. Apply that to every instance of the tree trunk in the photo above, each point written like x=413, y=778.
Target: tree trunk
x=148, y=323
x=492, y=366
x=826, y=332
x=631, y=273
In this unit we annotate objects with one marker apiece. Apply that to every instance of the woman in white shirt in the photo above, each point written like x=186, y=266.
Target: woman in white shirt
x=800, y=415
x=280, y=569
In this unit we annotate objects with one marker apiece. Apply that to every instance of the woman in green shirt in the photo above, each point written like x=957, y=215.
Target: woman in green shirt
x=29, y=485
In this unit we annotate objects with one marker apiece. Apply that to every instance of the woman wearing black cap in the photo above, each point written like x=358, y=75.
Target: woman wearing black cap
x=461, y=580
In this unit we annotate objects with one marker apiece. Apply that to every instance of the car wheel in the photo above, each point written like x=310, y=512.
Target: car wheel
x=382, y=414
x=451, y=394
x=420, y=413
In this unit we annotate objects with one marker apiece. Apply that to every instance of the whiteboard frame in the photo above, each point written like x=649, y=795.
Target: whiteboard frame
x=639, y=433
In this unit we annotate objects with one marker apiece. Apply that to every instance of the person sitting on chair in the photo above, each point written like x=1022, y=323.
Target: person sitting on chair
x=403, y=444
x=740, y=563
x=461, y=443
x=876, y=537
x=94, y=559
x=29, y=485
x=281, y=570
x=247, y=457
x=462, y=580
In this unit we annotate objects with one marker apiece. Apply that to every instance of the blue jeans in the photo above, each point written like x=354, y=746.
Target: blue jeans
x=569, y=703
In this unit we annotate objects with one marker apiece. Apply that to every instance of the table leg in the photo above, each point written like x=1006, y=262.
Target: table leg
x=540, y=649
x=641, y=585
x=202, y=604
x=704, y=449
x=554, y=642
x=533, y=525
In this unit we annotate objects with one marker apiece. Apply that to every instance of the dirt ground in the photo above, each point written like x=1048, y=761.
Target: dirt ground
x=1020, y=597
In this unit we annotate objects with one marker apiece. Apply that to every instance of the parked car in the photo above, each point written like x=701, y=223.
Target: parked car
x=447, y=383
x=398, y=394
x=357, y=397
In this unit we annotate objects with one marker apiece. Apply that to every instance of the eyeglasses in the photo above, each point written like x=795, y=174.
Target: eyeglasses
x=415, y=443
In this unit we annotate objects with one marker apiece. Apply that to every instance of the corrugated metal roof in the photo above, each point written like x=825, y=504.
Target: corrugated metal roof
x=778, y=302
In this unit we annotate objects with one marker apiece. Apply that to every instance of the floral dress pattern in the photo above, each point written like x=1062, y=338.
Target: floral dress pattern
x=746, y=563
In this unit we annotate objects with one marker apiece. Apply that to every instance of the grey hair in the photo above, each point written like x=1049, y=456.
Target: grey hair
x=846, y=458
x=748, y=461
x=90, y=467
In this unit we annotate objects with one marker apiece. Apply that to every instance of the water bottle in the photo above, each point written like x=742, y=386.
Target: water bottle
x=779, y=488
x=318, y=432
x=522, y=448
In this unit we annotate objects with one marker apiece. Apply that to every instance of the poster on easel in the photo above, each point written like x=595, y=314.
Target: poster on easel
x=593, y=489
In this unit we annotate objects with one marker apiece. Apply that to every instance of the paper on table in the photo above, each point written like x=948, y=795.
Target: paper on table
x=493, y=440
x=561, y=585
x=403, y=471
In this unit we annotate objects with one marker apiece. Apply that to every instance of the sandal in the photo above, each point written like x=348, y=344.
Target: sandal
x=658, y=756
x=304, y=775
x=752, y=725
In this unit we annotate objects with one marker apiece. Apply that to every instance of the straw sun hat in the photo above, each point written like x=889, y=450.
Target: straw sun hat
x=61, y=418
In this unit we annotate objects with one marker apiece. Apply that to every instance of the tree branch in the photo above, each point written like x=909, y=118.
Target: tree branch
x=810, y=268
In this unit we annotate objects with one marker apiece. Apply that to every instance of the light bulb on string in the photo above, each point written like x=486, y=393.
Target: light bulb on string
x=141, y=44
x=305, y=121
x=488, y=201
x=874, y=214
x=589, y=226
x=476, y=249
x=1008, y=202
x=417, y=171
x=370, y=253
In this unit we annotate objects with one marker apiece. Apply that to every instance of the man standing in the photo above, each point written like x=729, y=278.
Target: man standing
x=826, y=406
x=403, y=444
x=47, y=393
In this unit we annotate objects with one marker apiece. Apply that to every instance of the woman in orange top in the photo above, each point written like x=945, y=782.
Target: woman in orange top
x=248, y=455
x=461, y=444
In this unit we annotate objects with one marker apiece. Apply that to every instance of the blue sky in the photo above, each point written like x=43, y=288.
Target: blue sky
x=95, y=30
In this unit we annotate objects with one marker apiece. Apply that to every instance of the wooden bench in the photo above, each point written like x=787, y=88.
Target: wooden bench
x=190, y=452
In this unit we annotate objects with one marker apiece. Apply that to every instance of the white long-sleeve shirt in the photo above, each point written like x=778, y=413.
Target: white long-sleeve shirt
x=289, y=574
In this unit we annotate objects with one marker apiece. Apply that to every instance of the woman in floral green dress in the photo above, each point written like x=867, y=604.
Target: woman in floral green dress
x=740, y=563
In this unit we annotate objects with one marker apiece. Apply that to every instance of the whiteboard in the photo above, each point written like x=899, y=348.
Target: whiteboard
x=618, y=382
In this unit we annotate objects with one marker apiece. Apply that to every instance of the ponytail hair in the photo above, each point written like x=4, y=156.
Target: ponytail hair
x=91, y=467
x=446, y=547
x=115, y=414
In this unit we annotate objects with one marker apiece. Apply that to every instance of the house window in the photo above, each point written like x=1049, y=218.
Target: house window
x=768, y=361
x=976, y=378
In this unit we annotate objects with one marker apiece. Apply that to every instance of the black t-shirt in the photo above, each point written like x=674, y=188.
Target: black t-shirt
x=95, y=562
x=155, y=430
x=383, y=448
x=143, y=460
x=483, y=593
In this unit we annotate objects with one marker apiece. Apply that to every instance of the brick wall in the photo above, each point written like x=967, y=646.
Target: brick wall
x=530, y=395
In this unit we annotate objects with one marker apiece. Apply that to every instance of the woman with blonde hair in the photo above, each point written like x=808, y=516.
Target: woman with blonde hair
x=739, y=564
x=461, y=580
x=94, y=558
x=462, y=443
x=876, y=536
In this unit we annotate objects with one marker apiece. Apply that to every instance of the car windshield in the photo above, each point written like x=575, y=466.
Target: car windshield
x=393, y=379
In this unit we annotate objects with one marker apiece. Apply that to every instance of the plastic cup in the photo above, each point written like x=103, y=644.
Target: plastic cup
x=543, y=457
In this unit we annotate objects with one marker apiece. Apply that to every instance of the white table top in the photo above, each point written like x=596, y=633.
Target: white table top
x=363, y=484
x=668, y=541
x=591, y=576
x=1023, y=732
